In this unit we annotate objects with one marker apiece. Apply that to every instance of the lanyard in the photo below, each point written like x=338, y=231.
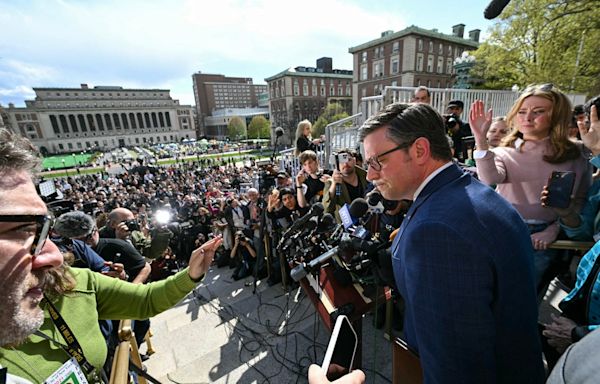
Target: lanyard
x=72, y=348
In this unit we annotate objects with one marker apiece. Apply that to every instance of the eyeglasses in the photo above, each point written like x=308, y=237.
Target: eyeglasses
x=43, y=224
x=374, y=163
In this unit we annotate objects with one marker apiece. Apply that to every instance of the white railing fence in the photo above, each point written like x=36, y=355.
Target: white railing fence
x=343, y=133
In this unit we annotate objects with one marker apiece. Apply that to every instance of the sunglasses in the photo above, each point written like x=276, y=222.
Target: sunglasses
x=43, y=225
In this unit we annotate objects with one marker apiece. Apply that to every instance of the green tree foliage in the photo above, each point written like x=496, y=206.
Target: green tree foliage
x=538, y=41
x=333, y=112
x=236, y=128
x=259, y=128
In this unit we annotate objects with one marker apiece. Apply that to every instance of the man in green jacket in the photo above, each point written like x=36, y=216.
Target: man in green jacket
x=35, y=283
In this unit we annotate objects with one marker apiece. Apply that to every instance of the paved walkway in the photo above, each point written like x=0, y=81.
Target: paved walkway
x=223, y=333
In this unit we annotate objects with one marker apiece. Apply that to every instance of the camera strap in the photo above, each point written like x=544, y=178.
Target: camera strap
x=73, y=348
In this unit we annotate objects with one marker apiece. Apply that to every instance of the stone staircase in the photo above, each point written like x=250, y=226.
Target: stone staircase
x=223, y=333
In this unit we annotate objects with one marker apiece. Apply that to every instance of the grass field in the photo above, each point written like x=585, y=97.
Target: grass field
x=56, y=162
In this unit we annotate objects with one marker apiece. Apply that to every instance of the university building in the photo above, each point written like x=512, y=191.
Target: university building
x=303, y=93
x=409, y=58
x=62, y=120
x=220, y=98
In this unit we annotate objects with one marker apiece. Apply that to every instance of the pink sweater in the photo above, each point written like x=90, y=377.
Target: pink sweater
x=521, y=174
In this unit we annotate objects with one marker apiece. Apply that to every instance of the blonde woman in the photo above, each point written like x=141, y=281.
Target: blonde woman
x=304, y=138
x=537, y=145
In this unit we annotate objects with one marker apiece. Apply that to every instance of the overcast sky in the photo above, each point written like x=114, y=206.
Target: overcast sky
x=160, y=44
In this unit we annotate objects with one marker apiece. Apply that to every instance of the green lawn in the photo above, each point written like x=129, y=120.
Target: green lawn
x=56, y=162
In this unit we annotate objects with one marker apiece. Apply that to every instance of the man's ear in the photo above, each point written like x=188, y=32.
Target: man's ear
x=421, y=150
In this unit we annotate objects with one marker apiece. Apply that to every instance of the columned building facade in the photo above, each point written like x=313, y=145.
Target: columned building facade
x=62, y=120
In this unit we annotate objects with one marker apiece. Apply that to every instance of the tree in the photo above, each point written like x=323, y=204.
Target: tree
x=236, y=128
x=333, y=112
x=259, y=127
x=543, y=41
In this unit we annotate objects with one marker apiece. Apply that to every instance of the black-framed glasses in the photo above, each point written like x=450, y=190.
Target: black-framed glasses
x=374, y=163
x=43, y=224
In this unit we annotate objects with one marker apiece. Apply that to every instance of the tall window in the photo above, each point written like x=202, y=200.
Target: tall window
x=99, y=122
x=440, y=65
x=304, y=88
x=73, y=123
x=125, y=121
x=91, y=122
x=82, y=123
x=419, y=62
x=63, y=123
x=448, y=66
x=108, y=122
x=431, y=47
x=441, y=49
x=395, y=65
x=430, y=64
x=54, y=123
x=363, y=72
x=116, y=121
x=296, y=88
x=364, y=57
x=395, y=47
x=420, y=44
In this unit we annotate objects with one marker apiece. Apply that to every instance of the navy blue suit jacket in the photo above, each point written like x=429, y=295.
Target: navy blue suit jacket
x=463, y=262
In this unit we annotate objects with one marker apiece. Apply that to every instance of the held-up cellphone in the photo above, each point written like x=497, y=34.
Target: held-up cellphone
x=560, y=187
x=339, y=356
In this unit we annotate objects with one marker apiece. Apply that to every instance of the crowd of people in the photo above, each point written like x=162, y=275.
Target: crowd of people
x=469, y=260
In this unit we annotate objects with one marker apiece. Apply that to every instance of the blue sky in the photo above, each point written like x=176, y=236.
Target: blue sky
x=160, y=44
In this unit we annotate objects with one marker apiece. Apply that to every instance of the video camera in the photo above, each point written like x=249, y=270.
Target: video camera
x=451, y=120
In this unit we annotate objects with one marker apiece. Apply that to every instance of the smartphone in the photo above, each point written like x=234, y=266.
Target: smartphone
x=339, y=356
x=560, y=187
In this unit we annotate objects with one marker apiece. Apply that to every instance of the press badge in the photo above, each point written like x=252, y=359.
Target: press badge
x=69, y=373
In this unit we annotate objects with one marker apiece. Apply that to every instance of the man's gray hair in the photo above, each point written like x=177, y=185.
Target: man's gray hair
x=74, y=224
x=17, y=153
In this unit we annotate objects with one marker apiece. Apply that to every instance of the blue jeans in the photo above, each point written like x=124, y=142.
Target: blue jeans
x=542, y=259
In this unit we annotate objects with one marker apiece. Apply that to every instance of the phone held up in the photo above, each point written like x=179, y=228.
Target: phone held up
x=339, y=357
x=560, y=188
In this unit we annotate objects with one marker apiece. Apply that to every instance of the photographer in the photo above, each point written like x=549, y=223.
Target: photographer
x=348, y=182
x=457, y=129
x=123, y=225
x=244, y=255
x=310, y=181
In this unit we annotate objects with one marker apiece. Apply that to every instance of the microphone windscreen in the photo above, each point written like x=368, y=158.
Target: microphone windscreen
x=327, y=223
x=495, y=8
x=317, y=208
x=374, y=197
x=358, y=208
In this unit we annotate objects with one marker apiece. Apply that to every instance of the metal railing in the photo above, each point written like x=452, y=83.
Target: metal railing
x=344, y=133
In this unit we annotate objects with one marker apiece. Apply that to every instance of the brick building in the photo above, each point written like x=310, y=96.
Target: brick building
x=411, y=57
x=215, y=94
x=303, y=93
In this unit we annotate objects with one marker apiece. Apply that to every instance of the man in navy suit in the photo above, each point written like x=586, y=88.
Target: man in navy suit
x=463, y=259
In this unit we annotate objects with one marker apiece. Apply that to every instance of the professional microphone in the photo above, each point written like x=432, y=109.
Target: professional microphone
x=374, y=197
x=495, y=8
x=316, y=210
x=358, y=208
x=300, y=271
x=326, y=224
